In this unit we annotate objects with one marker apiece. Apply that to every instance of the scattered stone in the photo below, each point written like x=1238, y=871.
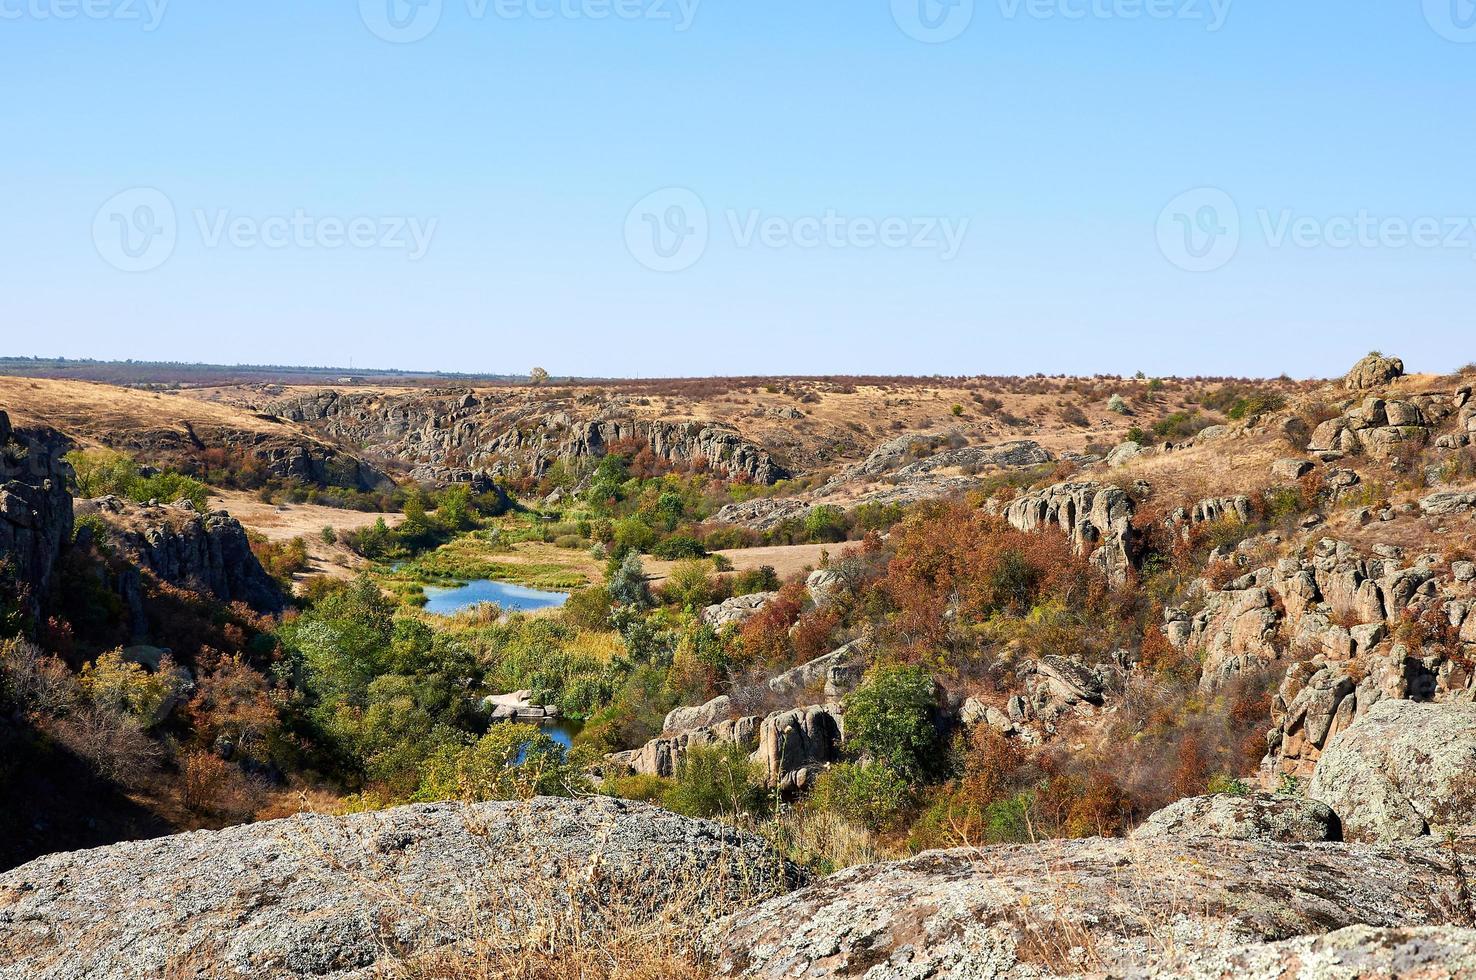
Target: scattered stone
x=1442, y=504
x=1124, y=453
x=735, y=611
x=1291, y=469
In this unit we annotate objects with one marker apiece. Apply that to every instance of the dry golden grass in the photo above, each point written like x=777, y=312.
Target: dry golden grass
x=787, y=560
x=92, y=412
x=283, y=522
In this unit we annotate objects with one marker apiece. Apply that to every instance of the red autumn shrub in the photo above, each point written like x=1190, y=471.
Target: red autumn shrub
x=765, y=637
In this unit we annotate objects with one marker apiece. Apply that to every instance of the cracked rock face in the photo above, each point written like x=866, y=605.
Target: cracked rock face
x=1101, y=907
x=341, y=897
x=35, y=508
x=1402, y=770
x=206, y=553
x=1430, y=953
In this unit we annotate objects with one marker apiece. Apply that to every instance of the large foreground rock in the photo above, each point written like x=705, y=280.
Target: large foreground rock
x=1403, y=770
x=337, y=896
x=1254, y=816
x=1356, y=952
x=1101, y=907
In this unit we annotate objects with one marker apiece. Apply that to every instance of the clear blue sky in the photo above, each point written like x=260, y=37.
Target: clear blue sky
x=527, y=142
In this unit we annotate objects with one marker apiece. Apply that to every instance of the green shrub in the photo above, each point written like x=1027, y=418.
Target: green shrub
x=589, y=608
x=890, y=719
x=875, y=796
x=825, y=523
x=510, y=762
x=1180, y=425
x=761, y=579
x=716, y=781
x=677, y=547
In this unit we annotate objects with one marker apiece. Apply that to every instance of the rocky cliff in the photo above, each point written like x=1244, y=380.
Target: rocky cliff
x=35, y=509
x=205, y=553
x=443, y=432
x=1097, y=518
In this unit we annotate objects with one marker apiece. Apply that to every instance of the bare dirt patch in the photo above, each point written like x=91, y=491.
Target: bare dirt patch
x=283, y=522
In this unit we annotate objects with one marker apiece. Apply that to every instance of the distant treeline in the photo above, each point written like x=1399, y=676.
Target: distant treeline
x=199, y=374
x=204, y=375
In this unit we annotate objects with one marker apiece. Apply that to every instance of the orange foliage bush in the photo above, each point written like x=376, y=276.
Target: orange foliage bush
x=952, y=559
x=765, y=636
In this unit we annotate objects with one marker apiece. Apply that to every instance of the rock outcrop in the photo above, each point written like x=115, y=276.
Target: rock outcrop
x=448, y=430
x=1096, y=907
x=832, y=676
x=35, y=510
x=1334, y=605
x=791, y=746
x=1402, y=770
x=796, y=746
x=341, y=897
x=1374, y=371
x=1097, y=518
x=1254, y=816
x=1382, y=428
x=205, y=553
x=735, y=611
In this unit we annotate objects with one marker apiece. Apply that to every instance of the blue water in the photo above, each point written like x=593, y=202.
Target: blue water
x=448, y=602
x=563, y=732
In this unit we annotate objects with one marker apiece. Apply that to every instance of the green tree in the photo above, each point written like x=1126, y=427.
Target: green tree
x=890, y=718
x=453, y=508
x=344, y=642
x=99, y=472
x=825, y=523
